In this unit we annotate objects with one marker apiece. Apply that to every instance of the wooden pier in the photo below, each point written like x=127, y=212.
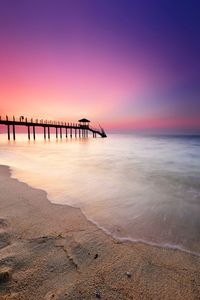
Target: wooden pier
x=80, y=129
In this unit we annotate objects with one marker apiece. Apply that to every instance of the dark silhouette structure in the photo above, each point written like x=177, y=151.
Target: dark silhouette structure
x=84, y=122
x=81, y=129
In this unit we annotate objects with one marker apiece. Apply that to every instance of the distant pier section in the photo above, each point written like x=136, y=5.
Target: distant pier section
x=80, y=129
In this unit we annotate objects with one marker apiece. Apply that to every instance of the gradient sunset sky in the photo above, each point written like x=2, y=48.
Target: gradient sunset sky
x=129, y=65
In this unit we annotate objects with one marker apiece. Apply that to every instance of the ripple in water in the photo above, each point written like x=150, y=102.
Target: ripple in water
x=135, y=187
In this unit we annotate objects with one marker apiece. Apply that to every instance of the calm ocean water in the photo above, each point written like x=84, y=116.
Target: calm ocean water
x=140, y=188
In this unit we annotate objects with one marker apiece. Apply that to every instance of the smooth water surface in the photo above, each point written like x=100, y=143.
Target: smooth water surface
x=141, y=188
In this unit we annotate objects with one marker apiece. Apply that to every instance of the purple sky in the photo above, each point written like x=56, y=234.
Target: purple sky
x=126, y=64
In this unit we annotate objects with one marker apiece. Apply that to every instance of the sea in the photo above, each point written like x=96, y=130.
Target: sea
x=139, y=188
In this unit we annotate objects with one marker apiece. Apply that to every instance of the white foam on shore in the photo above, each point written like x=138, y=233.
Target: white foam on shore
x=141, y=190
x=121, y=239
x=142, y=241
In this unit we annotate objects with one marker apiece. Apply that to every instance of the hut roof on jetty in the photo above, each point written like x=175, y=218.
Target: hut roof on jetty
x=84, y=120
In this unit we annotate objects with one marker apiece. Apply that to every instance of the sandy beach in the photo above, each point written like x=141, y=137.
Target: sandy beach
x=50, y=251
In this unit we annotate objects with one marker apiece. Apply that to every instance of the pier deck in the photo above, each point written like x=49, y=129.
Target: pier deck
x=80, y=129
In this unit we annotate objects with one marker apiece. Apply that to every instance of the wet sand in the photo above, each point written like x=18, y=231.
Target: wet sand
x=50, y=251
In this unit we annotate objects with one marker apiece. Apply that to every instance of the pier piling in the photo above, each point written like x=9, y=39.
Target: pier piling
x=80, y=129
x=29, y=133
x=34, y=133
x=48, y=132
x=9, y=132
x=14, y=132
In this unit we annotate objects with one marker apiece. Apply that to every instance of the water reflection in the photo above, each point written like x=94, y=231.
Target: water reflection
x=136, y=187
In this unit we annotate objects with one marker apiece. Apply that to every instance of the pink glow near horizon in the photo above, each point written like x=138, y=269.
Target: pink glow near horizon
x=122, y=80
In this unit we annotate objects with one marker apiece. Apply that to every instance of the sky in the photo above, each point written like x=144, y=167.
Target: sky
x=129, y=65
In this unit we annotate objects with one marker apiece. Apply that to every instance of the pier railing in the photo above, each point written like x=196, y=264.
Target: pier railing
x=77, y=129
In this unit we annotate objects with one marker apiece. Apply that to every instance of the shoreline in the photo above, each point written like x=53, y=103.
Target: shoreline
x=140, y=241
x=52, y=251
x=125, y=239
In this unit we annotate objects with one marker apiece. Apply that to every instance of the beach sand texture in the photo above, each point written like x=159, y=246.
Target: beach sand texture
x=50, y=251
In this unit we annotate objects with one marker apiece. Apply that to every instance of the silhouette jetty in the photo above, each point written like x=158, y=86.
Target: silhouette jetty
x=80, y=129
